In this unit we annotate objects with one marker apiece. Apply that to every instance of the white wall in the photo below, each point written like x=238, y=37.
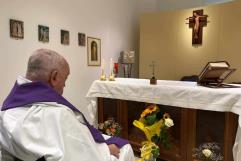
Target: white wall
x=147, y=5
x=167, y=40
x=113, y=21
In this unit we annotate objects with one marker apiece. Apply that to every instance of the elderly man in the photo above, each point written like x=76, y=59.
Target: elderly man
x=37, y=122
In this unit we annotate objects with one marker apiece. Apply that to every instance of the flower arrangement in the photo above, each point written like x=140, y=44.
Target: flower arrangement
x=110, y=127
x=155, y=127
x=208, y=152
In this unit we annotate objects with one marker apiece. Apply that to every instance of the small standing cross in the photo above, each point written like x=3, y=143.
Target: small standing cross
x=153, y=79
x=153, y=65
x=197, y=22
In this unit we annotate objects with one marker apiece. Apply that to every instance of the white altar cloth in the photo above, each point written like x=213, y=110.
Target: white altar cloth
x=173, y=93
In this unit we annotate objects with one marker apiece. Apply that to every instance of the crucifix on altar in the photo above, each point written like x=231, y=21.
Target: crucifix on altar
x=197, y=22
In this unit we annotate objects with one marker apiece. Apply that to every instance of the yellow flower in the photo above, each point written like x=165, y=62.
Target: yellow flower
x=149, y=130
x=146, y=150
x=152, y=128
x=149, y=110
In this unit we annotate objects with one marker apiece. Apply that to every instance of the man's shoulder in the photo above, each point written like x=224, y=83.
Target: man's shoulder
x=36, y=109
x=52, y=112
x=53, y=106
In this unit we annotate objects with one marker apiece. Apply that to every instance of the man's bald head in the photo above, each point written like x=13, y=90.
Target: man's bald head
x=43, y=63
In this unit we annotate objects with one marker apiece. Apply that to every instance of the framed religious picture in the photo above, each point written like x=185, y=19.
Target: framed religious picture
x=64, y=37
x=93, y=51
x=16, y=29
x=43, y=33
x=81, y=39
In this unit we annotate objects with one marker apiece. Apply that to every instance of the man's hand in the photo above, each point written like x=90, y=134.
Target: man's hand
x=114, y=150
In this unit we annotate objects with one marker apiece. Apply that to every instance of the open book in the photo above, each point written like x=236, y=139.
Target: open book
x=214, y=73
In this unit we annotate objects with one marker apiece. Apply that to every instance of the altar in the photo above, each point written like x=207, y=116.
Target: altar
x=200, y=114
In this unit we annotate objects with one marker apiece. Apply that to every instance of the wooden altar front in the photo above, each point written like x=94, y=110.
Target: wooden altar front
x=192, y=127
x=200, y=114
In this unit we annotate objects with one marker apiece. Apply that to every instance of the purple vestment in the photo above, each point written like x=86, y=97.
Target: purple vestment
x=30, y=93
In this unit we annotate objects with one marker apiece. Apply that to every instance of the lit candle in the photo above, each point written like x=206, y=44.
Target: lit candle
x=103, y=67
x=102, y=76
x=111, y=77
x=111, y=66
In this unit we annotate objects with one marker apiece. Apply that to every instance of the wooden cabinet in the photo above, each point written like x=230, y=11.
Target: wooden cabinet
x=192, y=127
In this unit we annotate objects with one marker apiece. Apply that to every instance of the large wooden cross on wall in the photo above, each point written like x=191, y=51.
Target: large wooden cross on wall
x=197, y=22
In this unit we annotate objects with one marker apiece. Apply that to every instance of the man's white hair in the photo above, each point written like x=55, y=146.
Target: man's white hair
x=42, y=62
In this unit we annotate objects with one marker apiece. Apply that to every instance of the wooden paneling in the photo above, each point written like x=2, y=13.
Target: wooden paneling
x=192, y=127
x=231, y=124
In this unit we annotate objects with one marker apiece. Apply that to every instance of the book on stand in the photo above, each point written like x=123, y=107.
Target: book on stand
x=214, y=73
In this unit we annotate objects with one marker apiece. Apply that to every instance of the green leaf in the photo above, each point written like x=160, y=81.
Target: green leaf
x=164, y=138
x=150, y=119
x=155, y=152
x=155, y=139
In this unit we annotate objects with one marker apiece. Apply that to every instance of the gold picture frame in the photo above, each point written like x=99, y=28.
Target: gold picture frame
x=93, y=51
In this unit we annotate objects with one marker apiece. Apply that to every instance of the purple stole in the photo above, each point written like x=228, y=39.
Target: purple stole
x=30, y=93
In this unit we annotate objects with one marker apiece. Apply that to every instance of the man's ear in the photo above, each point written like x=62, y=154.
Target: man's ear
x=53, y=78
